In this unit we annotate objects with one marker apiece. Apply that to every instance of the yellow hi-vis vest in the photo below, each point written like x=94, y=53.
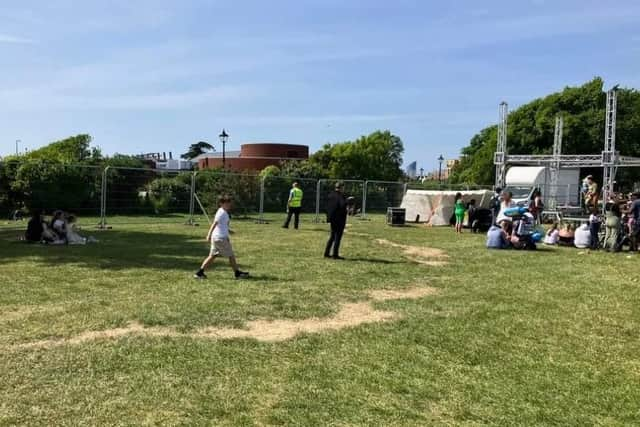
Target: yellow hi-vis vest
x=296, y=198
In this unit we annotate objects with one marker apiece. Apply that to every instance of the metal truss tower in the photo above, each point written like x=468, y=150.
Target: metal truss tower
x=609, y=154
x=555, y=166
x=501, y=151
x=610, y=160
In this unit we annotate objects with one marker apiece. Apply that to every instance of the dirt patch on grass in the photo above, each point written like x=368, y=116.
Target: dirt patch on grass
x=420, y=254
x=10, y=314
x=349, y=315
x=412, y=293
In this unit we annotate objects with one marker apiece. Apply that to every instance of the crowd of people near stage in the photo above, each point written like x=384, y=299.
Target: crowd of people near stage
x=520, y=228
x=60, y=229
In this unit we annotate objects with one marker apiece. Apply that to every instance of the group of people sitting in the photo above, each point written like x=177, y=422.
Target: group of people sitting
x=621, y=224
x=513, y=227
x=60, y=229
x=581, y=237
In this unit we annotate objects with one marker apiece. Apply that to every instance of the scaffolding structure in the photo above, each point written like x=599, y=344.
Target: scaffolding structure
x=500, y=158
x=610, y=159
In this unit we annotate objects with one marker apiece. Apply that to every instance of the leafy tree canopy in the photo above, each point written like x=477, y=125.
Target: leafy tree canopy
x=197, y=149
x=377, y=156
x=531, y=128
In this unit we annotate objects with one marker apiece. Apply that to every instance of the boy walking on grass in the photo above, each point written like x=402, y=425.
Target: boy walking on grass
x=218, y=235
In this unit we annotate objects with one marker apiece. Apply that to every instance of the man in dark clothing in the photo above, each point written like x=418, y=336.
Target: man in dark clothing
x=34, y=228
x=337, y=217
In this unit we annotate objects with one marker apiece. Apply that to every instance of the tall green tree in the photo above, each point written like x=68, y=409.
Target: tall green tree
x=377, y=156
x=197, y=149
x=531, y=130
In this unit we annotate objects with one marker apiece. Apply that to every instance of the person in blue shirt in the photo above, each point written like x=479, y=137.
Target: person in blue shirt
x=497, y=237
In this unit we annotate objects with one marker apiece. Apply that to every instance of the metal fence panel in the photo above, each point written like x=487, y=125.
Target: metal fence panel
x=245, y=189
x=276, y=193
x=134, y=195
x=353, y=190
x=381, y=195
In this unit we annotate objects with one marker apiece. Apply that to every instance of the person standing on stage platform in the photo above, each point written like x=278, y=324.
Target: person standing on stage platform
x=294, y=206
x=337, y=217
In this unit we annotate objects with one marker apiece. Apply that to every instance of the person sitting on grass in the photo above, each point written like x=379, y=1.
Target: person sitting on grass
x=73, y=237
x=498, y=237
x=34, y=228
x=59, y=225
x=460, y=210
x=566, y=236
x=218, y=235
x=521, y=237
x=552, y=236
x=582, y=239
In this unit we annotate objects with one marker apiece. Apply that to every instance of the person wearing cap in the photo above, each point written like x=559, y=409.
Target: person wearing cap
x=294, y=206
x=337, y=217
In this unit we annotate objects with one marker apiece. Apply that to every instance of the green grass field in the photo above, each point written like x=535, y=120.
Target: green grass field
x=116, y=333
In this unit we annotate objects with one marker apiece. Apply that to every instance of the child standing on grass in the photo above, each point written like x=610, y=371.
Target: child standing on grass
x=460, y=210
x=218, y=235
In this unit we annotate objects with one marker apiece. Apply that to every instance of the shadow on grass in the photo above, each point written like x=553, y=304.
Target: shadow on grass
x=116, y=250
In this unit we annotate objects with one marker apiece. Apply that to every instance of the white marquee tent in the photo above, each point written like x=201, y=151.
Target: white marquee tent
x=436, y=207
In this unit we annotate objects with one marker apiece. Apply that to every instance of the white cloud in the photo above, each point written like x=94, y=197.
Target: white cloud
x=5, y=38
x=31, y=99
x=329, y=120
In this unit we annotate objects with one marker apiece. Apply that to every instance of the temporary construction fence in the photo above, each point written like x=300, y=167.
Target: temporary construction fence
x=112, y=195
x=31, y=186
x=116, y=195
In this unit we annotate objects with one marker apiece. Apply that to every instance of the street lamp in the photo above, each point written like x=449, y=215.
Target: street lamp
x=224, y=136
x=421, y=173
x=440, y=160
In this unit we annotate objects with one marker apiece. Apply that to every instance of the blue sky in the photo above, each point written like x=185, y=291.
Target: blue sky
x=157, y=75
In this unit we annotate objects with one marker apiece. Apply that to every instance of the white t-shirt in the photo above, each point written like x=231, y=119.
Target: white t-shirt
x=503, y=207
x=59, y=226
x=222, y=228
x=552, y=238
x=582, y=238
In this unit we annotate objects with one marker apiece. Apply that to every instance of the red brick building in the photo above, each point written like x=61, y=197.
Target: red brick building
x=254, y=157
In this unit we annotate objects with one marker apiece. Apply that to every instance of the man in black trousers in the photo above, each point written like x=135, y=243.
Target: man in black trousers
x=337, y=217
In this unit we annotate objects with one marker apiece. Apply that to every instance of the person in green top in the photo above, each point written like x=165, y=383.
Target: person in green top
x=460, y=210
x=294, y=206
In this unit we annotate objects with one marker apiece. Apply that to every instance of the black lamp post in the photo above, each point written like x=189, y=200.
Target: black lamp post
x=223, y=138
x=440, y=160
x=421, y=172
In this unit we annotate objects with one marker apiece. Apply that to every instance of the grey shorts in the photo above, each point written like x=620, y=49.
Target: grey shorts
x=221, y=248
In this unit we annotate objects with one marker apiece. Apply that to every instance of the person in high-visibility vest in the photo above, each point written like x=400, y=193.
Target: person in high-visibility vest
x=294, y=206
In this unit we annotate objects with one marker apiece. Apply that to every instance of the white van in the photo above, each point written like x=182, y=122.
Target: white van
x=522, y=181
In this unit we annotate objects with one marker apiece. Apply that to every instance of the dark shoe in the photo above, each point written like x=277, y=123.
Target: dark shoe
x=337, y=257
x=327, y=256
x=285, y=226
x=199, y=276
x=241, y=274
